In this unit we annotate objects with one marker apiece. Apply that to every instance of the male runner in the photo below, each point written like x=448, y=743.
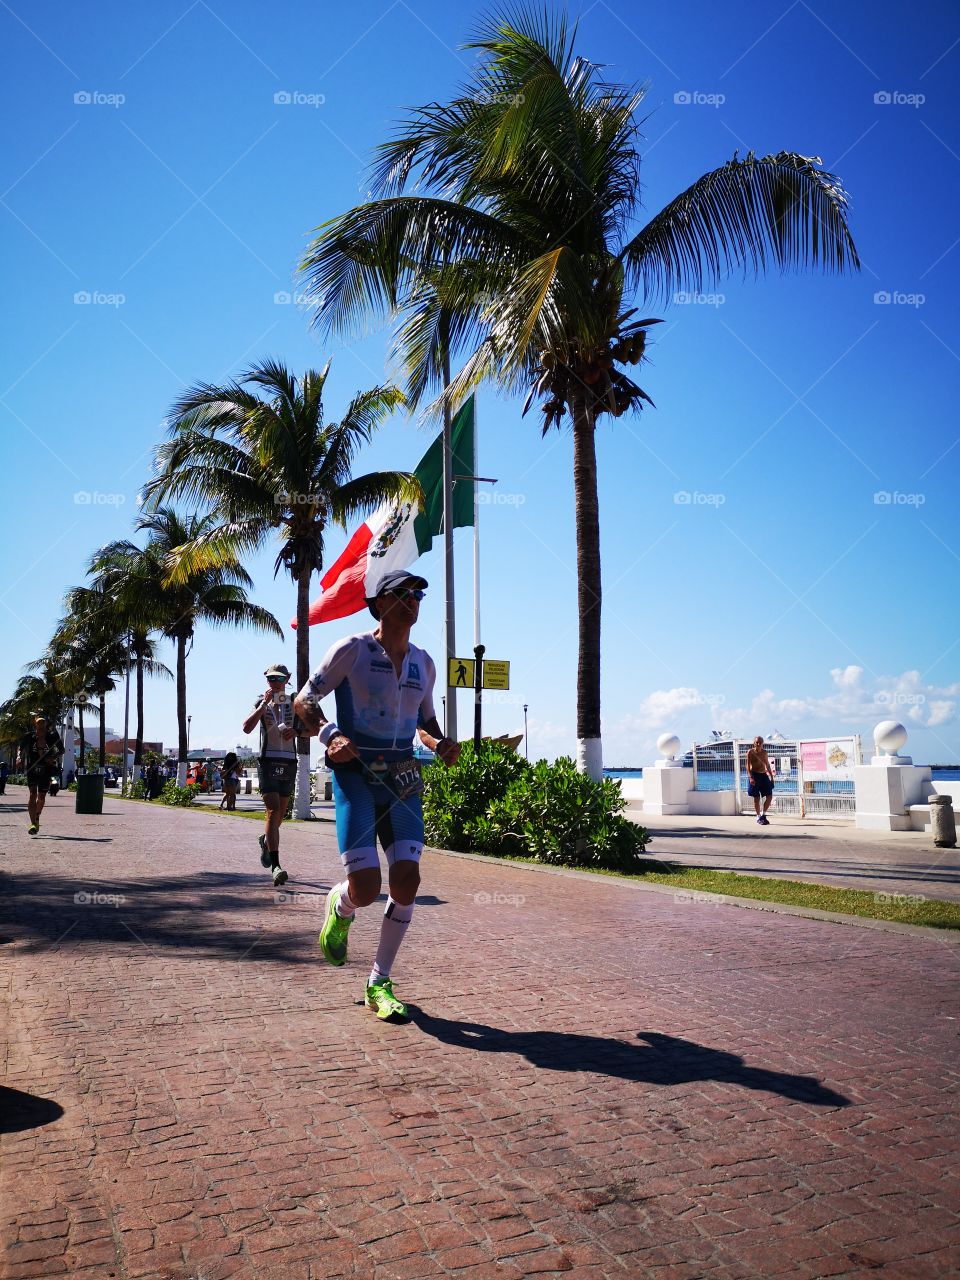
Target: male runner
x=383, y=686
x=277, y=765
x=761, y=780
x=40, y=755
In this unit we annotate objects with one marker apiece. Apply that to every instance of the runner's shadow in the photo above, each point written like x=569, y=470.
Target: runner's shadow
x=663, y=1059
x=20, y=1111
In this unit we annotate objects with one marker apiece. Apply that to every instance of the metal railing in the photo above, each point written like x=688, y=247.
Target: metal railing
x=722, y=766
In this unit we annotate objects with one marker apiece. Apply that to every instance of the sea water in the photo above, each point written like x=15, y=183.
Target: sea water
x=722, y=780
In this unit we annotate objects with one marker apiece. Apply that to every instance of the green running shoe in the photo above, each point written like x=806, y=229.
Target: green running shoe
x=33, y=828
x=264, y=856
x=379, y=996
x=333, y=935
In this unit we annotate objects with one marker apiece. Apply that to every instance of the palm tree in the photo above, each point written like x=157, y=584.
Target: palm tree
x=132, y=577
x=215, y=595
x=520, y=229
x=94, y=633
x=43, y=689
x=256, y=453
x=57, y=684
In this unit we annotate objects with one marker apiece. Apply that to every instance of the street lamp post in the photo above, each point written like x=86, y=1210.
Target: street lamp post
x=189, y=718
x=526, y=743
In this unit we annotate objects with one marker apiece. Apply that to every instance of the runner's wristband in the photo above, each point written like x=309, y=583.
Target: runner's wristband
x=329, y=730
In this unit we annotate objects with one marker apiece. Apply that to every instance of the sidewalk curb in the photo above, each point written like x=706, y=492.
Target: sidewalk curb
x=948, y=937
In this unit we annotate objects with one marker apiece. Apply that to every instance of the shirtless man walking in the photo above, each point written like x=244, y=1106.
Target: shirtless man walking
x=761, y=779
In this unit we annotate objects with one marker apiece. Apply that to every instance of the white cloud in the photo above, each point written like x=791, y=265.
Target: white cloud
x=846, y=677
x=848, y=704
x=940, y=713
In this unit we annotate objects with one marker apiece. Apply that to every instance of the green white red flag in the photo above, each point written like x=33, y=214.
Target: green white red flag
x=396, y=535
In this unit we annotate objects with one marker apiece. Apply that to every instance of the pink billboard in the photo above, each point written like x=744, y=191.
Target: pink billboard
x=813, y=756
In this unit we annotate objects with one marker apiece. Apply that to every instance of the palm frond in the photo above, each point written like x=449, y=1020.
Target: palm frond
x=364, y=494
x=218, y=548
x=782, y=207
x=361, y=264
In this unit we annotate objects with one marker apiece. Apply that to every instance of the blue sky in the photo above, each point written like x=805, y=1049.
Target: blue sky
x=755, y=577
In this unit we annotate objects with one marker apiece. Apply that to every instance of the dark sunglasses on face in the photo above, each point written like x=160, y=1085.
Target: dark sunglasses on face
x=277, y=679
x=408, y=593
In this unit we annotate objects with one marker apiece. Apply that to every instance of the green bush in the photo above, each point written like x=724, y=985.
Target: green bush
x=497, y=803
x=182, y=796
x=136, y=792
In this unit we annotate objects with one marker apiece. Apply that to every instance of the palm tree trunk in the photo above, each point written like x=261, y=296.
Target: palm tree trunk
x=302, y=802
x=82, y=763
x=182, y=747
x=103, y=730
x=589, y=747
x=138, y=747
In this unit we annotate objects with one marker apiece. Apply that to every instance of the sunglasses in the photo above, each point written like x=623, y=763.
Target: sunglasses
x=407, y=593
x=278, y=679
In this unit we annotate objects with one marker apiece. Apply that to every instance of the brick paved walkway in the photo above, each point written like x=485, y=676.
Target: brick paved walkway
x=599, y=1081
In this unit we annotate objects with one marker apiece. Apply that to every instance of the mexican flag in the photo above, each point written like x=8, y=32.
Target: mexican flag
x=394, y=536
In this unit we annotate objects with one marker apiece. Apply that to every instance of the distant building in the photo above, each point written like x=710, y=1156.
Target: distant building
x=92, y=736
x=115, y=746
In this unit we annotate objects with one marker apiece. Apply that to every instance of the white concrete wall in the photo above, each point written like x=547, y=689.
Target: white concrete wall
x=713, y=803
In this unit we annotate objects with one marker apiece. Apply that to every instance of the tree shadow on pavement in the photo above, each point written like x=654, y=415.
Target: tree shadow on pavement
x=20, y=1111
x=209, y=913
x=666, y=833
x=826, y=870
x=662, y=1059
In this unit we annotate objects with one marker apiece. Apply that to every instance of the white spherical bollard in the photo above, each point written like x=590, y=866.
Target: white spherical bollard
x=668, y=744
x=889, y=736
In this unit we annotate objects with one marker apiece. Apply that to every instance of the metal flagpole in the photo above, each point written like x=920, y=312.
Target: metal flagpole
x=478, y=649
x=450, y=615
x=476, y=529
x=126, y=722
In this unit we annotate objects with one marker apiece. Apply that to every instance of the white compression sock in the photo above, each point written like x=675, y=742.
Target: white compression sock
x=346, y=907
x=396, y=921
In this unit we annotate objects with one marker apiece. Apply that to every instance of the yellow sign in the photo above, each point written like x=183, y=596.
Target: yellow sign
x=496, y=675
x=460, y=674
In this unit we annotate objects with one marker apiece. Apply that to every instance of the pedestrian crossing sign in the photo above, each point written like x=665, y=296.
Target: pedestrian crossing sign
x=461, y=673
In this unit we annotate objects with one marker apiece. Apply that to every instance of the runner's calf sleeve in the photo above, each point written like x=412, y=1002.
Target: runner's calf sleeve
x=346, y=907
x=396, y=921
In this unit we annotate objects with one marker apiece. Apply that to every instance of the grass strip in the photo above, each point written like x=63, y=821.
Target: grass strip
x=902, y=908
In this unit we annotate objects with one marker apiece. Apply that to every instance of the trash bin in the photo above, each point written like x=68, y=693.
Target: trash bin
x=90, y=793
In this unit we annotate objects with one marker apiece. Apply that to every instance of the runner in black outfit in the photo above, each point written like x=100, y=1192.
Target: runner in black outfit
x=41, y=753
